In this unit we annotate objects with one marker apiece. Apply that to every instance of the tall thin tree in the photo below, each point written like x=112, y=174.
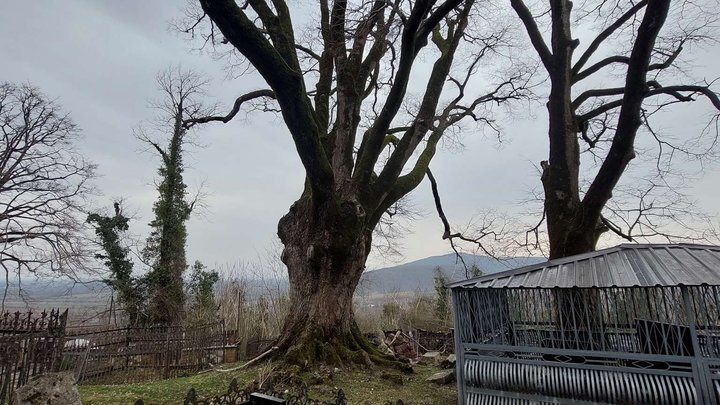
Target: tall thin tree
x=165, y=248
x=110, y=231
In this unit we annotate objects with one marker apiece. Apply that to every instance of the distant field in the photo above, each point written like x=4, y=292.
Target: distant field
x=83, y=302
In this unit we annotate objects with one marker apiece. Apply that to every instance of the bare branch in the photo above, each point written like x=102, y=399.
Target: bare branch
x=605, y=34
x=535, y=36
x=676, y=91
x=44, y=182
x=277, y=63
x=411, y=44
x=625, y=60
x=596, y=93
x=599, y=65
x=621, y=151
x=657, y=89
x=188, y=123
x=615, y=229
x=448, y=235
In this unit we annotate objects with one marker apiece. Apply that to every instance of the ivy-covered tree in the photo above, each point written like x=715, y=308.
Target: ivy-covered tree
x=165, y=247
x=109, y=231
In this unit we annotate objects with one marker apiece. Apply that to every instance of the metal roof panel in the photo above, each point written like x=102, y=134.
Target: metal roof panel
x=625, y=265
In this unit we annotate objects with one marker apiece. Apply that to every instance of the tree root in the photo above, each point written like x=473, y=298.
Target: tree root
x=311, y=350
x=244, y=366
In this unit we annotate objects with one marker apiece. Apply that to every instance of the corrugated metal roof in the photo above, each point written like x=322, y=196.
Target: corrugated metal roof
x=625, y=265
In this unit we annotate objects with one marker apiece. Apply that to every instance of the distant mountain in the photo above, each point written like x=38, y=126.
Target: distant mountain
x=418, y=275
x=410, y=277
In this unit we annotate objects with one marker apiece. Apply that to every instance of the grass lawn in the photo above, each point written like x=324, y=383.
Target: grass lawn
x=377, y=386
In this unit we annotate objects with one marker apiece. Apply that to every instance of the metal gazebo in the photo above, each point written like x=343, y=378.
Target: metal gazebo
x=633, y=324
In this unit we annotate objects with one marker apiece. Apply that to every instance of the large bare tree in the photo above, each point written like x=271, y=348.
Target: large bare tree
x=363, y=138
x=44, y=182
x=592, y=111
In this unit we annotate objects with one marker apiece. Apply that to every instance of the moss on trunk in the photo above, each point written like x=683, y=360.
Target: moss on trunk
x=325, y=251
x=314, y=348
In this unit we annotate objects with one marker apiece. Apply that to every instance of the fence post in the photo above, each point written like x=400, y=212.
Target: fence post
x=128, y=330
x=166, y=372
x=458, y=318
x=703, y=392
x=239, y=303
x=110, y=313
x=59, y=342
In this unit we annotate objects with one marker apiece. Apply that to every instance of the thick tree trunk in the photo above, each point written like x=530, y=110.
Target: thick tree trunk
x=325, y=252
x=574, y=225
x=560, y=176
x=570, y=232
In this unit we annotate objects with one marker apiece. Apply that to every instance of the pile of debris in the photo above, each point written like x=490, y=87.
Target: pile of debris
x=402, y=345
x=412, y=346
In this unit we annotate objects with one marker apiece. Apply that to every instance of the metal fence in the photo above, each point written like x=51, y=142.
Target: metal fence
x=136, y=354
x=658, y=345
x=30, y=344
x=239, y=396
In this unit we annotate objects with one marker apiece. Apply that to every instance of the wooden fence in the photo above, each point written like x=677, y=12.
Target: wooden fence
x=30, y=344
x=433, y=341
x=136, y=354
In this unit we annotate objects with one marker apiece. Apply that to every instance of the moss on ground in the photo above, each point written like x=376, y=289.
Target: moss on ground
x=376, y=385
x=380, y=386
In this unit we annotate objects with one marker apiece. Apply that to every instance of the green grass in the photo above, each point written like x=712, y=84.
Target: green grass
x=359, y=386
x=170, y=391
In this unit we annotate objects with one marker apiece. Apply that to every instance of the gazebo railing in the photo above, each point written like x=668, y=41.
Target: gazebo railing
x=617, y=345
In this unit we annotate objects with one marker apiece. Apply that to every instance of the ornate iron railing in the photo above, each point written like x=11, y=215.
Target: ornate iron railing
x=619, y=345
x=238, y=396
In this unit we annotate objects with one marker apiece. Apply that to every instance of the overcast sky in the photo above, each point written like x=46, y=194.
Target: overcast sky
x=99, y=58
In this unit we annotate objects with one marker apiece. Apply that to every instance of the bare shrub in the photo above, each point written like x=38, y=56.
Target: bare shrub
x=253, y=300
x=402, y=310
